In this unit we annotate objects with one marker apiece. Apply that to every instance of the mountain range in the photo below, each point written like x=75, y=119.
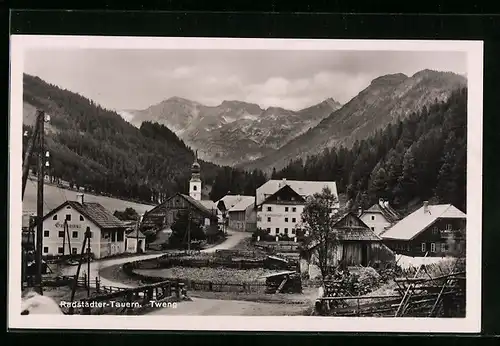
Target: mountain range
x=234, y=131
x=386, y=100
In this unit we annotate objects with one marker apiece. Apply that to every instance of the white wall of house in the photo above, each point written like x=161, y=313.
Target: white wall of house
x=132, y=244
x=376, y=221
x=280, y=218
x=53, y=240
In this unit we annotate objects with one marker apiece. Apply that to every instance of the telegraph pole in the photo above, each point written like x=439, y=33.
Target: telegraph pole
x=39, y=201
x=189, y=227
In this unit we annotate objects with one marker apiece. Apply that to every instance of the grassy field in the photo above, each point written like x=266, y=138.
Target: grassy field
x=54, y=196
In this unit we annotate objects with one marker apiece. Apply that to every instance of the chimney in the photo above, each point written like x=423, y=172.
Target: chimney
x=381, y=202
x=360, y=211
x=80, y=197
x=426, y=207
x=282, y=183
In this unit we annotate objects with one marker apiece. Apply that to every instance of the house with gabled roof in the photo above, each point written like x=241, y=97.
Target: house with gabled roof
x=242, y=215
x=355, y=245
x=64, y=230
x=280, y=204
x=435, y=230
x=380, y=216
x=165, y=214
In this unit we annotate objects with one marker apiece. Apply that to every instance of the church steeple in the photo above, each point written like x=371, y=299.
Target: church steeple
x=195, y=182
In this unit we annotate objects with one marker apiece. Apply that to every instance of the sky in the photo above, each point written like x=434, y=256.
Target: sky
x=137, y=79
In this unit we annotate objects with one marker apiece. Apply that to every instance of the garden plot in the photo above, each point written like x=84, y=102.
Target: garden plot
x=214, y=275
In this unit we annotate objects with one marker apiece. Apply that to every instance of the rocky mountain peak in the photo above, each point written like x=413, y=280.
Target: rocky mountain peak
x=389, y=79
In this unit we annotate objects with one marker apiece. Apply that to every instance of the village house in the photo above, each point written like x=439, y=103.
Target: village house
x=202, y=212
x=135, y=241
x=107, y=233
x=280, y=203
x=380, y=216
x=242, y=216
x=164, y=215
x=355, y=244
x=435, y=230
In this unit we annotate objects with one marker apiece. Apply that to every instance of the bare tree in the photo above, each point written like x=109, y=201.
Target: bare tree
x=318, y=218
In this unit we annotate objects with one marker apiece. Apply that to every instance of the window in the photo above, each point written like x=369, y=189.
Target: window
x=81, y=218
x=75, y=234
x=433, y=247
x=444, y=247
x=68, y=207
x=268, y=219
x=68, y=217
x=293, y=230
x=448, y=227
x=61, y=234
x=195, y=187
x=294, y=209
x=286, y=219
x=54, y=217
x=407, y=247
x=113, y=236
x=45, y=249
x=269, y=230
x=373, y=217
x=119, y=236
x=60, y=250
x=286, y=209
x=286, y=230
x=294, y=219
x=373, y=229
x=277, y=231
x=74, y=251
x=434, y=230
x=269, y=209
x=45, y=233
x=423, y=247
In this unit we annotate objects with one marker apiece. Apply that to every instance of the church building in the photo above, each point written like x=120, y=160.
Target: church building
x=203, y=212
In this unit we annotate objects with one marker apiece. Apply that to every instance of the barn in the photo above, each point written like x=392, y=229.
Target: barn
x=356, y=245
x=164, y=215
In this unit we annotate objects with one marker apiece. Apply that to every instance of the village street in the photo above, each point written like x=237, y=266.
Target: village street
x=233, y=238
x=201, y=306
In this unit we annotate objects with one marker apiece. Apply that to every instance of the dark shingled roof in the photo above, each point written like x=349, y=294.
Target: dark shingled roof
x=199, y=206
x=94, y=212
x=347, y=233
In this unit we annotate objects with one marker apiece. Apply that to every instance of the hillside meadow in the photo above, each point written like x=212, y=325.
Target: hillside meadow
x=54, y=196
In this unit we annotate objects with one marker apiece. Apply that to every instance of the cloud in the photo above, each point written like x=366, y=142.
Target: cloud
x=183, y=72
x=136, y=79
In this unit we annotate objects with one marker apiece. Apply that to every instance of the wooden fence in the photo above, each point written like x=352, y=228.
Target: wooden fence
x=120, y=300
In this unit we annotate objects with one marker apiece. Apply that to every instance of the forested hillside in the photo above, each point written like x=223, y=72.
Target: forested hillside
x=420, y=158
x=95, y=148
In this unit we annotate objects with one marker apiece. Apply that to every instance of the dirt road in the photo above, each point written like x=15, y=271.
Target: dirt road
x=232, y=240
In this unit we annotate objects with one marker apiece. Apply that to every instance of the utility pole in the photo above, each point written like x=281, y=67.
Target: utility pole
x=87, y=235
x=189, y=227
x=29, y=150
x=137, y=228
x=39, y=201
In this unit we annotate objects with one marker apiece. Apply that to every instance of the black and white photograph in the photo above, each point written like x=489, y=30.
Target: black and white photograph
x=245, y=184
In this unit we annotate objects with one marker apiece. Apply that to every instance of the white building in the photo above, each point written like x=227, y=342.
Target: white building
x=380, y=216
x=242, y=216
x=195, y=182
x=107, y=233
x=280, y=204
x=135, y=241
